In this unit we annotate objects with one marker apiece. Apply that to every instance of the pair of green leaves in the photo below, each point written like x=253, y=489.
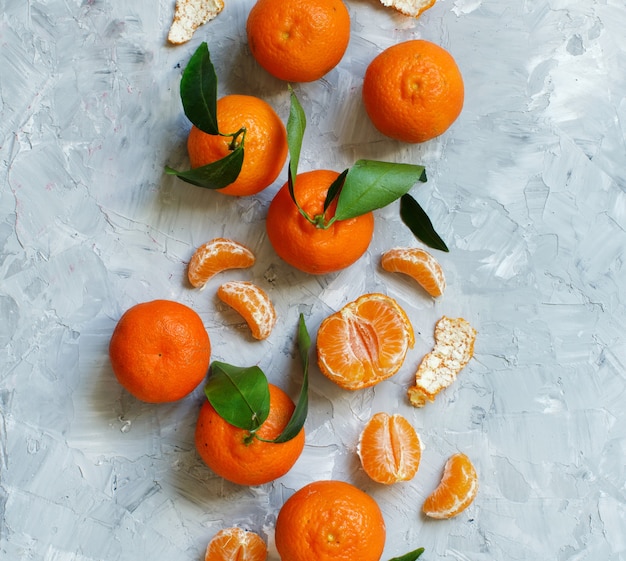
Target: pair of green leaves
x=366, y=186
x=241, y=395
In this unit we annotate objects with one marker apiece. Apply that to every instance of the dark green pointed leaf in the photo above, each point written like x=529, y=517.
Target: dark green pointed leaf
x=335, y=189
x=371, y=184
x=299, y=415
x=198, y=91
x=296, y=125
x=240, y=395
x=414, y=216
x=411, y=556
x=215, y=175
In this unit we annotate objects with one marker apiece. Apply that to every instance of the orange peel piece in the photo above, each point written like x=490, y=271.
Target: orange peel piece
x=189, y=15
x=412, y=8
x=420, y=265
x=216, y=256
x=454, y=347
x=252, y=303
x=456, y=491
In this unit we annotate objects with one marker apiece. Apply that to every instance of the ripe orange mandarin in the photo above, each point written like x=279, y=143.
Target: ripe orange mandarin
x=330, y=521
x=304, y=245
x=232, y=454
x=265, y=143
x=160, y=351
x=236, y=544
x=413, y=91
x=298, y=40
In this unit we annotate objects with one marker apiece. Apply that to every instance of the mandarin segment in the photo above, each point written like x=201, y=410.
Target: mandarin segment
x=389, y=448
x=365, y=342
x=453, y=349
x=215, y=256
x=236, y=544
x=252, y=303
x=330, y=521
x=412, y=8
x=456, y=491
x=231, y=453
x=419, y=265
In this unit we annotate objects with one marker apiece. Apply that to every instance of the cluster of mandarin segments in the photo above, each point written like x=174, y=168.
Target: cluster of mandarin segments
x=236, y=544
x=453, y=349
x=235, y=455
x=389, y=448
x=160, y=351
x=249, y=300
x=456, y=490
x=252, y=303
x=365, y=342
x=330, y=521
x=418, y=264
x=265, y=143
x=298, y=41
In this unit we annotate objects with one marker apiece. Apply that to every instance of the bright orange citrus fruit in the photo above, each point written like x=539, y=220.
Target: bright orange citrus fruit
x=232, y=454
x=298, y=40
x=389, y=449
x=252, y=303
x=365, y=342
x=215, y=256
x=419, y=265
x=236, y=544
x=265, y=143
x=330, y=521
x=456, y=491
x=413, y=91
x=307, y=247
x=160, y=351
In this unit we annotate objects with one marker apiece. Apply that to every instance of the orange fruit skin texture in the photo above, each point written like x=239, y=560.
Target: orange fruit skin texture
x=310, y=249
x=389, y=448
x=413, y=91
x=224, y=449
x=456, y=491
x=365, y=342
x=265, y=144
x=236, y=544
x=215, y=256
x=160, y=351
x=298, y=40
x=330, y=521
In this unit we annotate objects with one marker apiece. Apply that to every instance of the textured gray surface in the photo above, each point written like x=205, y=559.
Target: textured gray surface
x=528, y=188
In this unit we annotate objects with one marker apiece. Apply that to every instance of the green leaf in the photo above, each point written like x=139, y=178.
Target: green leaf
x=371, y=184
x=240, y=395
x=216, y=175
x=299, y=415
x=411, y=556
x=413, y=215
x=335, y=189
x=296, y=125
x=198, y=91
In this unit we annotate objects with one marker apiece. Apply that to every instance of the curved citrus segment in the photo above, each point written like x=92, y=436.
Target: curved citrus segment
x=412, y=8
x=389, y=448
x=419, y=265
x=236, y=544
x=252, y=303
x=454, y=347
x=216, y=256
x=365, y=342
x=456, y=491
